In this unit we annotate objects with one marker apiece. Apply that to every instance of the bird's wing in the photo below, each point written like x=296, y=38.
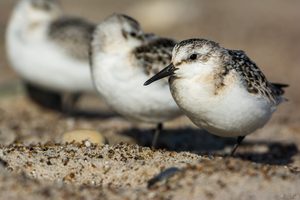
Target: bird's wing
x=255, y=81
x=73, y=34
x=155, y=54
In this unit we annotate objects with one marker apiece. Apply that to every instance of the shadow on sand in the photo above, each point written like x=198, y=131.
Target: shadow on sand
x=91, y=114
x=277, y=154
x=203, y=143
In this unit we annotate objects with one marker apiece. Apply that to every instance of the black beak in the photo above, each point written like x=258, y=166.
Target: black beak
x=168, y=71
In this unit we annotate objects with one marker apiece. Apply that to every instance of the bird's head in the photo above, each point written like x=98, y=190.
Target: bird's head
x=118, y=32
x=39, y=11
x=193, y=57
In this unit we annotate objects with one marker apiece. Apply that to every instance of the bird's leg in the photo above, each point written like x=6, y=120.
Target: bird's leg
x=158, y=129
x=238, y=142
x=69, y=102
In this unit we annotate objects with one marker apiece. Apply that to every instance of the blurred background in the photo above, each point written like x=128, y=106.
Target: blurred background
x=267, y=30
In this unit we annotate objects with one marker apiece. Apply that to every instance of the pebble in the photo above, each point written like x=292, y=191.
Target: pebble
x=84, y=135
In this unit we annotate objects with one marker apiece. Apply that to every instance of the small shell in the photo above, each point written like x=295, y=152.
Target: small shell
x=84, y=135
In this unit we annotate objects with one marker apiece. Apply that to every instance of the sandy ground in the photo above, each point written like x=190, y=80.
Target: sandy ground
x=189, y=163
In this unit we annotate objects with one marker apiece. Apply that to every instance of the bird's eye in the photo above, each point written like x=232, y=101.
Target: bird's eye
x=42, y=6
x=47, y=7
x=133, y=34
x=193, y=56
x=35, y=4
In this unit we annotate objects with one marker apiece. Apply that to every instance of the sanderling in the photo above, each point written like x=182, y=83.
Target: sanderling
x=50, y=51
x=220, y=90
x=122, y=57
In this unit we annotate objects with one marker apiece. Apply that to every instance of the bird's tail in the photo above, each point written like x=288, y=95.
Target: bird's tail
x=279, y=87
x=279, y=90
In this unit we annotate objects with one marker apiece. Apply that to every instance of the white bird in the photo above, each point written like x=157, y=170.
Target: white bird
x=49, y=51
x=122, y=57
x=220, y=90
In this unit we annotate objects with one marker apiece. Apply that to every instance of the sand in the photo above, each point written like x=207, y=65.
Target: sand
x=36, y=164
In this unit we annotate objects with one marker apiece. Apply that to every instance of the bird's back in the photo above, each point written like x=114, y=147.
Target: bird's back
x=255, y=81
x=72, y=34
x=154, y=55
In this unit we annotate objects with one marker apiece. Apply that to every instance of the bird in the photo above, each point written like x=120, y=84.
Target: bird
x=122, y=56
x=220, y=90
x=49, y=51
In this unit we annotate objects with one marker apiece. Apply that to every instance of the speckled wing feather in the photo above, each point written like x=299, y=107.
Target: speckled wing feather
x=255, y=80
x=155, y=55
x=74, y=35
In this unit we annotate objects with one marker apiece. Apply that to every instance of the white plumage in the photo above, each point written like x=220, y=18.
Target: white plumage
x=119, y=75
x=36, y=58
